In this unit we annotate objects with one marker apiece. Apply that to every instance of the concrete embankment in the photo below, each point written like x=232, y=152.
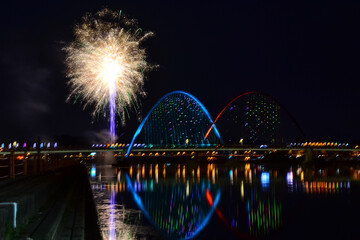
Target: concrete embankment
x=54, y=205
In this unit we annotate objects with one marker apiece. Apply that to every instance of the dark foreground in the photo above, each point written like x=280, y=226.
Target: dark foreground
x=188, y=200
x=54, y=205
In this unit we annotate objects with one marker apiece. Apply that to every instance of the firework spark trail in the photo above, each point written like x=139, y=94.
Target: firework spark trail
x=106, y=64
x=112, y=99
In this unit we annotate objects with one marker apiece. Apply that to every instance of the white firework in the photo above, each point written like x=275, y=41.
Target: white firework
x=106, y=63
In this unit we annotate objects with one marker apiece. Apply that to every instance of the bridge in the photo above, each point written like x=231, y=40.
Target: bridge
x=180, y=119
x=179, y=124
x=180, y=149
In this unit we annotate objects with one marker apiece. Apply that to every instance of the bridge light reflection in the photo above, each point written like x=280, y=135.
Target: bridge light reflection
x=262, y=208
x=93, y=171
x=182, y=215
x=143, y=171
x=156, y=173
x=150, y=171
x=290, y=180
x=265, y=179
x=164, y=171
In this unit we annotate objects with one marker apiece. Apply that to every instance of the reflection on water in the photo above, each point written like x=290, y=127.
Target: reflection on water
x=178, y=201
x=179, y=210
x=115, y=219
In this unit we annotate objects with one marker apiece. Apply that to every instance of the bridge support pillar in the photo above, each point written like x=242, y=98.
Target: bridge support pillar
x=38, y=163
x=25, y=164
x=309, y=171
x=308, y=156
x=34, y=171
x=41, y=163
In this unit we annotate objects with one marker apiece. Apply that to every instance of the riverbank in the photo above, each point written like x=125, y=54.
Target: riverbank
x=54, y=205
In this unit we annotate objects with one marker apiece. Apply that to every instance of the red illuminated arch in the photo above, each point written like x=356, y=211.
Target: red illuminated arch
x=265, y=95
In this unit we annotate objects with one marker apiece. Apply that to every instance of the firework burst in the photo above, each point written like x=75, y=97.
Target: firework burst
x=106, y=64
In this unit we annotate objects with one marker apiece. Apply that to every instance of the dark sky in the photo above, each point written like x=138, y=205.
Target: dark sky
x=304, y=53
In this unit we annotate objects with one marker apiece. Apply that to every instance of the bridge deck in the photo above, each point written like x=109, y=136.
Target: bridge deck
x=223, y=149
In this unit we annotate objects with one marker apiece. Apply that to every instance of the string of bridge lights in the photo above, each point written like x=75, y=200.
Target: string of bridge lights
x=319, y=144
x=16, y=145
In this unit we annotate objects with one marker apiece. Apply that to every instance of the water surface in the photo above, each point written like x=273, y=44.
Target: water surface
x=217, y=201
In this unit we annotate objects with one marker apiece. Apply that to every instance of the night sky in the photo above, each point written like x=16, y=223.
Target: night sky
x=304, y=54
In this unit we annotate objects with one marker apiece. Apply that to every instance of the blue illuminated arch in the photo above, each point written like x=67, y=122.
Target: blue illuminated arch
x=158, y=102
x=141, y=206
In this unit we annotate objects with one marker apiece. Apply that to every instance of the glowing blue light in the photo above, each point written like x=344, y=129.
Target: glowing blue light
x=93, y=171
x=34, y=145
x=156, y=104
x=48, y=145
x=41, y=145
x=231, y=173
x=2, y=145
x=265, y=179
x=55, y=145
x=93, y=154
